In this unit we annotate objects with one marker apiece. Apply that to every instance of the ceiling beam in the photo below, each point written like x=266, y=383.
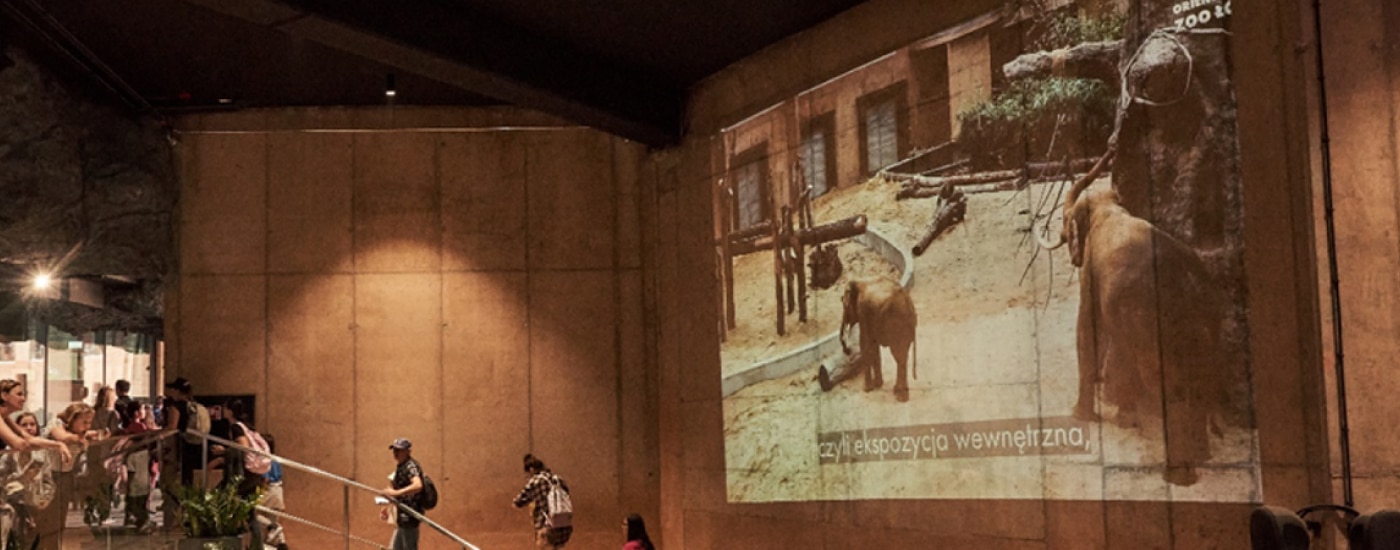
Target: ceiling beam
x=440, y=41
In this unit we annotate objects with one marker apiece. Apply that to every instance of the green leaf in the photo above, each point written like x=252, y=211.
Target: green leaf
x=217, y=511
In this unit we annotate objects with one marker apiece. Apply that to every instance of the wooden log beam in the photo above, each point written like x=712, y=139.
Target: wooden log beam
x=1096, y=60
x=949, y=213
x=842, y=229
x=917, y=187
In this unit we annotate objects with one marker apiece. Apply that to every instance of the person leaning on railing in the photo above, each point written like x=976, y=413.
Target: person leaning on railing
x=73, y=426
x=28, y=486
x=12, y=399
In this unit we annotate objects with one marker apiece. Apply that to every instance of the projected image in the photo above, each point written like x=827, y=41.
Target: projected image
x=1002, y=262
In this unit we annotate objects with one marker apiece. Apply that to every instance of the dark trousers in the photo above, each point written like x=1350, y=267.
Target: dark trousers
x=136, y=511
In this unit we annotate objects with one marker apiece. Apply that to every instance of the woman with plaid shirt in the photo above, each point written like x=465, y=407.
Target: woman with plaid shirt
x=536, y=494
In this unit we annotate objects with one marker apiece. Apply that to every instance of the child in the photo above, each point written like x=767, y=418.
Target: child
x=138, y=466
x=273, y=535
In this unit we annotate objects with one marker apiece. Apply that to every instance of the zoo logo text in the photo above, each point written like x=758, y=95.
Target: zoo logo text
x=1188, y=19
x=1013, y=437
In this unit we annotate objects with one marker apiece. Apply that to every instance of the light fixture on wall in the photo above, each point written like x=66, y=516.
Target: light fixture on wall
x=43, y=284
x=389, y=91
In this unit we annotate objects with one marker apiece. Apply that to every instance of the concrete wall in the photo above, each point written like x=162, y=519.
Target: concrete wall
x=1284, y=343
x=969, y=75
x=487, y=293
x=372, y=274
x=1360, y=39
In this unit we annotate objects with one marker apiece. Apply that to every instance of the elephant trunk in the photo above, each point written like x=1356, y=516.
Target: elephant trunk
x=844, y=348
x=1073, y=196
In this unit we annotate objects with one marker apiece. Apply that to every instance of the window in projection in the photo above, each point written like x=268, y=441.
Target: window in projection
x=1073, y=324
x=814, y=161
x=753, y=195
x=881, y=141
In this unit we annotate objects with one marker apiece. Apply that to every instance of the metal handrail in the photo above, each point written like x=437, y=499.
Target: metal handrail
x=327, y=475
x=326, y=528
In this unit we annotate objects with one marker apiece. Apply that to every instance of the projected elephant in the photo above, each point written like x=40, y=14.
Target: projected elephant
x=1148, y=330
x=886, y=317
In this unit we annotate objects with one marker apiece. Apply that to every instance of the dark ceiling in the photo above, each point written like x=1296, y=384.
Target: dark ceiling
x=623, y=66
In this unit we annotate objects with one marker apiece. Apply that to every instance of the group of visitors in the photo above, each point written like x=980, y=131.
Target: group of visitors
x=47, y=470
x=41, y=475
x=253, y=473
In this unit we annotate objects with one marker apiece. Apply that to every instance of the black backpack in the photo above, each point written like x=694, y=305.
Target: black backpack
x=429, y=497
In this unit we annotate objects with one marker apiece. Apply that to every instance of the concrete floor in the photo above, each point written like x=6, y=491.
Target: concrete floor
x=111, y=535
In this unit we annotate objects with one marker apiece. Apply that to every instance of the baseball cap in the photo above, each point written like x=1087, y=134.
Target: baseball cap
x=179, y=384
x=401, y=444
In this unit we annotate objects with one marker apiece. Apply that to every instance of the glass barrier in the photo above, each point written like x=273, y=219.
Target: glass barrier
x=107, y=494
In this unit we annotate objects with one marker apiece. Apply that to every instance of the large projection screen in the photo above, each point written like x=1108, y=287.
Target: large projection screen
x=1031, y=222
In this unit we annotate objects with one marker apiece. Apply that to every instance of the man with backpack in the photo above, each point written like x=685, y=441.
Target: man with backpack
x=407, y=485
x=550, y=505
x=186, y=415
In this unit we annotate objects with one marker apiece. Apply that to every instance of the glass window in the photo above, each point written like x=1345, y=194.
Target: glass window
x=751, y=197
x=818, y=153
x=814, y=162
x=881, y=135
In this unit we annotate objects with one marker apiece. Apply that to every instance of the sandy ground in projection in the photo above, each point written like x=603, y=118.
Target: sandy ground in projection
x=991, y=346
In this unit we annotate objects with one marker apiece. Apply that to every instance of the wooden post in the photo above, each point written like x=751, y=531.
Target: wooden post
x=720, y=259
x=726, y=201
x=788, y=254
x=803, y=213
x=778, y=274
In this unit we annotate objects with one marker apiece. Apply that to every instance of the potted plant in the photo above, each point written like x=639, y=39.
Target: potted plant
x=215, y=519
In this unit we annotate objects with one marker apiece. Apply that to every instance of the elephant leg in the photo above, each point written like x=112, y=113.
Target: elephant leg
x=870, y=352
x=1087, y=345
x=874, y=379
x=872, y=371
x=1131, y=381
x=901, y=361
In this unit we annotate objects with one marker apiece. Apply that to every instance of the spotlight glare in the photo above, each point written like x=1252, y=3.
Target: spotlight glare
x=42, y=281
